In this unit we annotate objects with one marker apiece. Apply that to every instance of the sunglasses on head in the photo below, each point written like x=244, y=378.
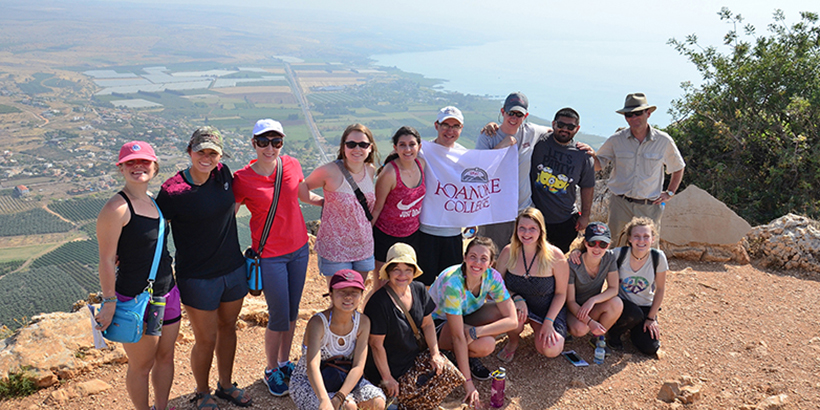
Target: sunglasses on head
x=262, y=142
x=354, y=144
x=634, y=114
x=566, y=126
x=598, y=244
x=515, y=114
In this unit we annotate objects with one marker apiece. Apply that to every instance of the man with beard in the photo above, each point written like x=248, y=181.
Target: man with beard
x=557, y=167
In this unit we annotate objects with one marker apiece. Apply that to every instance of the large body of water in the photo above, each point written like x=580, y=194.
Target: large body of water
x=593, y=77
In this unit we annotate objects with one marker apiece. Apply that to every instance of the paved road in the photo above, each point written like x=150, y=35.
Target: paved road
x=314, y=130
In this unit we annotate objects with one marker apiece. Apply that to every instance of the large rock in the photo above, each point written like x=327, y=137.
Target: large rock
x=694, y=216
x=788, y=242
x=58, y=342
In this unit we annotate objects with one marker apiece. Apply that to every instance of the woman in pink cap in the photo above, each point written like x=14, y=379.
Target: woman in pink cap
x=127, y=232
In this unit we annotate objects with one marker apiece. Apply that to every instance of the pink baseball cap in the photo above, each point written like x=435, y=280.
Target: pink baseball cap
x=136, y=150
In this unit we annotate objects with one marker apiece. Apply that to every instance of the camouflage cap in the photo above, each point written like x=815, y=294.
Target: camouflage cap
x=207, y=137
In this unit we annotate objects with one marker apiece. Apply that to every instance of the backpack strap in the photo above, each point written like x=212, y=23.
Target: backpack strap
x=656, y=257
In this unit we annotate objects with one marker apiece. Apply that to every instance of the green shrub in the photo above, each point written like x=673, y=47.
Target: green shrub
x=19, y=384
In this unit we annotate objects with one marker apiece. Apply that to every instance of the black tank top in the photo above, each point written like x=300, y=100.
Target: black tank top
x=135, y=251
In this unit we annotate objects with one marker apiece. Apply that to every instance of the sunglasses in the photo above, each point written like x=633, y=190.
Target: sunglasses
x=634, y=114
x=568, y=127
x=515, y=114
x=447, y=127
x=264, y=142
x=354, y=144
x=598, y=244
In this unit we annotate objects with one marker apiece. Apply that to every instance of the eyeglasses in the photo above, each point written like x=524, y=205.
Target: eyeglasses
x=354, y=144
x=516, y=114
x=568, y=127
x=445, y=126
x=598, y=244
x=634, y=114
x=264, y=142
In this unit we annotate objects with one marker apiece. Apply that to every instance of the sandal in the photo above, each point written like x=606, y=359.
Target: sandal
x=205, y=397
x=506, y=356
x=227, y=394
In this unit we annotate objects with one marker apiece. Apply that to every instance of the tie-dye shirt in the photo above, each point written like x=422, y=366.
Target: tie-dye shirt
x=451, y=296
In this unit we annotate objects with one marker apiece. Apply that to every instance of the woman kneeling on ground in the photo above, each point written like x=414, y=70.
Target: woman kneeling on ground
x=128, y=234
x=642, y=274
x=331, y=344
x=394, y=347
x=535, y=273
x=467, y=324
x=590, y=266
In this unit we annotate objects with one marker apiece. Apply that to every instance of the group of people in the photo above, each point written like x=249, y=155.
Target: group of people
x=434, y=307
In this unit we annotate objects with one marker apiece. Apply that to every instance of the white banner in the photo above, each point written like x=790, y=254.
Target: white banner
x=469, y=187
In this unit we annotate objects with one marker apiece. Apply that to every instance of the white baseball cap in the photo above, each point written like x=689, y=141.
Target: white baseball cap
x=266, y=125
x=450, y=112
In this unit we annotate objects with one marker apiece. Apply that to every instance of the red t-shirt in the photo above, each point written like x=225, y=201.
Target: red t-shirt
x=288, y=232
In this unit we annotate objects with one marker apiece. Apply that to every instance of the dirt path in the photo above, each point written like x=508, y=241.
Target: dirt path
x=742, y=333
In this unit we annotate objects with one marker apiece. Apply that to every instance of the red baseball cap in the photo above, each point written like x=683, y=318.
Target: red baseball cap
x=136, y=150
x=346, y=278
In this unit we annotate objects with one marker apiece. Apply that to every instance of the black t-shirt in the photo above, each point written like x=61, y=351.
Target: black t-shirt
x=554, y=173
x=204, y=224
x=399, y=341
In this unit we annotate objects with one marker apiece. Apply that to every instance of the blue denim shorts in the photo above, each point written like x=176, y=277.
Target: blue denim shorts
x=207, y=294
x=328, y=268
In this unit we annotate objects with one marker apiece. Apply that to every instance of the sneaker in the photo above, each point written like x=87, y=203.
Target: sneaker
x=614, y=343
x=593, y=341
x=478, y=370
x=287, y=370
x=275, y=380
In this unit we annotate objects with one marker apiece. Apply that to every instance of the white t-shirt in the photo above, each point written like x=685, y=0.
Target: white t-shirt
x=639, y=286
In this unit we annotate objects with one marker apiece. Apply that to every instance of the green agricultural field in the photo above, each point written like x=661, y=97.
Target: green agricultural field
x=7, y=109
x=54, y=286
x=23, y=252
x=79, y=209
x=35, y=86
x=10, y=204
x=6, y=267
x=32, y=222
x=85, y=252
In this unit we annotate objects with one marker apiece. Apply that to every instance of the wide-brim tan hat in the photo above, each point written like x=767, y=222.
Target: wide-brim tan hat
x=400, y=253
x=636, y=102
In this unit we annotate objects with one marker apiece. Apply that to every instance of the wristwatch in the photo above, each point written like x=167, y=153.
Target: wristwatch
x=671, y=193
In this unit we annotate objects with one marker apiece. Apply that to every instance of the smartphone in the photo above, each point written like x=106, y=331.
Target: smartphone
x=573, y=358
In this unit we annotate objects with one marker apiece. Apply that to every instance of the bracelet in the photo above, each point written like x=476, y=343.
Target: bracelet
x=473, y=334
x=340, y=396
x=590, y=320
x=550, y=319
x=518, y=298
x=108, y=300
x=468, y=380
x=650, y=319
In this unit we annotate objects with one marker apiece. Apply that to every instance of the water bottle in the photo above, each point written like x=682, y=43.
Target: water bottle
x=153, y=319
x=497, y=389
x=600, y=351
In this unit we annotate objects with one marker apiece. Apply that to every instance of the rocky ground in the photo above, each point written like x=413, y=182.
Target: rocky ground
x=732, y=337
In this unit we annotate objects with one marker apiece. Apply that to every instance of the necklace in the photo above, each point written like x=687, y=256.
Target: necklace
x=637, y=258
x=527, y=268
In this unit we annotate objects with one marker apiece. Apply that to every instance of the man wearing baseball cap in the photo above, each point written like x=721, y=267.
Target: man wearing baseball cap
x=440, y=248
x=513, y=130
x=638, y=155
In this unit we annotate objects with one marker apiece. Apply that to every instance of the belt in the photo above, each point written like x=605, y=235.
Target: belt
x=637, y=201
